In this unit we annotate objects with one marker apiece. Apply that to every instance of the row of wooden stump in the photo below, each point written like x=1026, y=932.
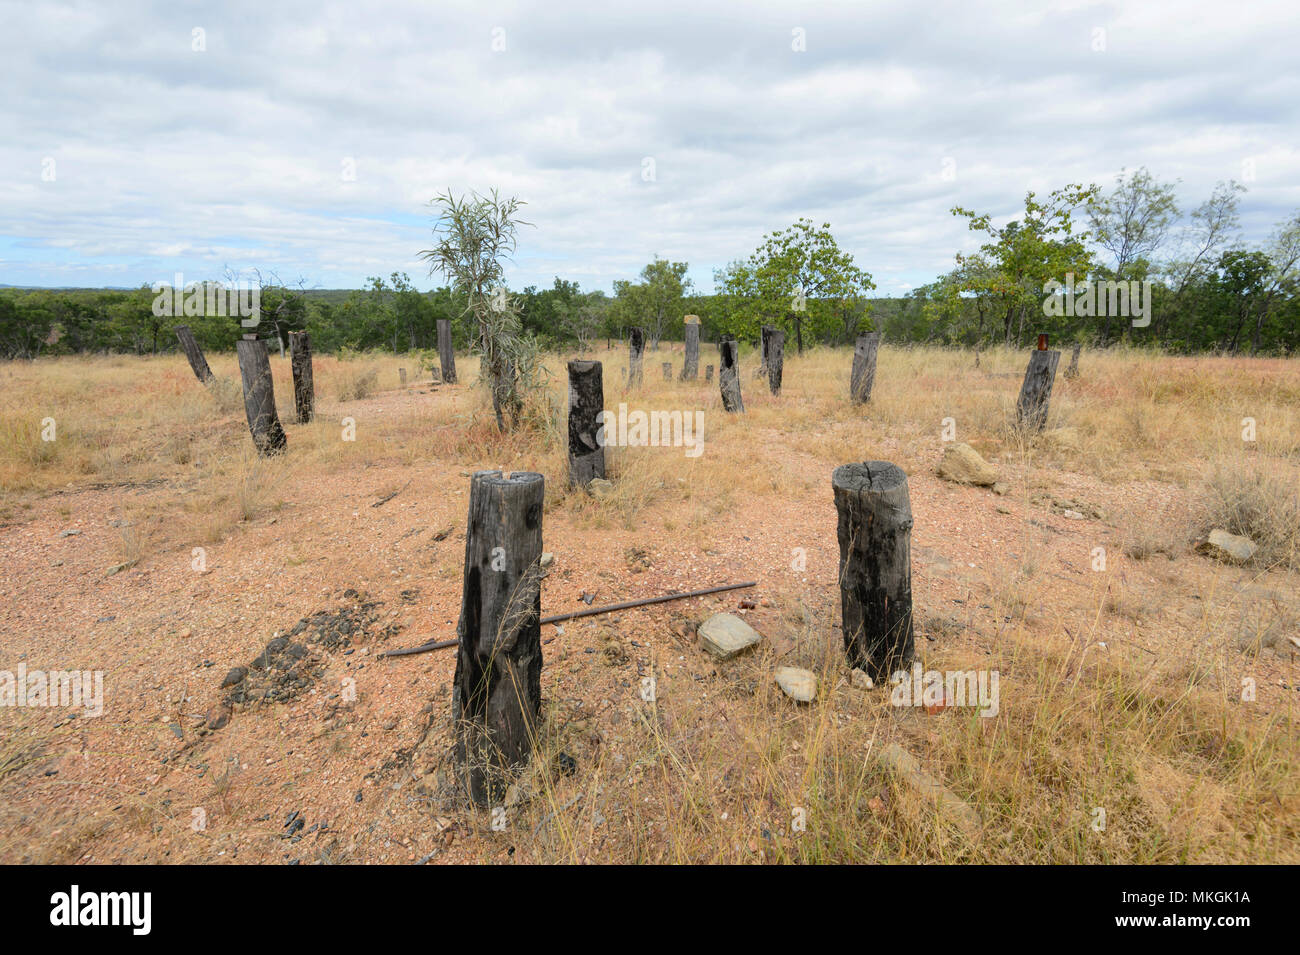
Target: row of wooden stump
x=259, y=391
x=1031, y=405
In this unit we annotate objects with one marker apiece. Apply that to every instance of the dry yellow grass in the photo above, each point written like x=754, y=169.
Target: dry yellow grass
x=1121, y=693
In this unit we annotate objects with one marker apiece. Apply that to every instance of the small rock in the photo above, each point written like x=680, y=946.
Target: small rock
x=70, y=532
x=236, y=675
x=565, y=764
x=600, y=488
x=1227, y=547
x=724, y=635
x=1000, y=488
x=860, y=680
x=546, y=560
x=798, y=684
x=1072, y=515
x=962, y=464
x=218, y=717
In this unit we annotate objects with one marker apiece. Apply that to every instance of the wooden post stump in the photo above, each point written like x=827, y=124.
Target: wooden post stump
x=194, y=353
x=446, y=353
x=586, y=402
x=729, y=375
x=1036, y=391
x=497, y=690
x=259, y=397
x=775, y=359
x=304, y=390
x=635, y=349
x=864, y=366
x=401, y=376
x=875, y=537
x=668, y=370
x=1073, y=370
x=764, y=340
x=691, y=364
x=708, y=372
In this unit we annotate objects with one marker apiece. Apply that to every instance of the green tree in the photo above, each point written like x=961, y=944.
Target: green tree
x=791, y=269
x=1028, y=252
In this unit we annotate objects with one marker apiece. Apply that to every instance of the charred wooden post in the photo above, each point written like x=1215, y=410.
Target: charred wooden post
x=586, y=402
x=635, y=349
x=497, y=689
x=708, y=372
x=259, y=397
x=863, y=376
x=194, y=353
x=765, y=338
x=729, y=375
x=875, y=538
x=691, y=364
x=668, y=370
x=304, y=390
x=401, y=375
x=1036, y=391
x=446, y=353
x=1073, y=370
x=775, y=359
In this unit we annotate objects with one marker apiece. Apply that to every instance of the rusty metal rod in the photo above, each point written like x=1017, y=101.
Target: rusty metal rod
x=586, y=612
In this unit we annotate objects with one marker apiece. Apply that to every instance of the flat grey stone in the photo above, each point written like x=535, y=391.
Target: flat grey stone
x=724, y=635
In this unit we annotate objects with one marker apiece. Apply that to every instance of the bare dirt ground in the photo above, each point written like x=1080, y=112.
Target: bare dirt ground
x=159, y=551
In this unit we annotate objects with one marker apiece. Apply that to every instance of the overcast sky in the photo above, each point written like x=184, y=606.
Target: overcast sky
x=143, y=139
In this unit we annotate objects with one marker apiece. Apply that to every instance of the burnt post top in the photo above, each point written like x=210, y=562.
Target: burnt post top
x=879, y=486
x=581, y=365
x=516, y=478
x=878, y=477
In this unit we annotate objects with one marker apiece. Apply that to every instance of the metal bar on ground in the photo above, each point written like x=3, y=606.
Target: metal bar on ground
x=585, y=612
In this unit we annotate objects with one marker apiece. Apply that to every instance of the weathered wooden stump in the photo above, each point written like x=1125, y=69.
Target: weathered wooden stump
x=259, y=397
x=194, y=353
x=729, y=375
x=1036, y=391
x=691, y=364
x=446, y=353
x=775, y=359
x=1073, y=370
x=668, y=370
x=863, y=376
x=635, y=349
x=765, y=338
x=497, y=690
x=304, y=390
x=401, y=376
x=586, y=402
x=708, y=372
x=875, y=537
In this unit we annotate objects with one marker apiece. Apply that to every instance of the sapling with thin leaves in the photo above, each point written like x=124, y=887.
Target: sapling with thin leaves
x=473, y=238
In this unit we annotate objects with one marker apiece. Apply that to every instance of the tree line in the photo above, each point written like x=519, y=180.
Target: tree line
x=1208, y=291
